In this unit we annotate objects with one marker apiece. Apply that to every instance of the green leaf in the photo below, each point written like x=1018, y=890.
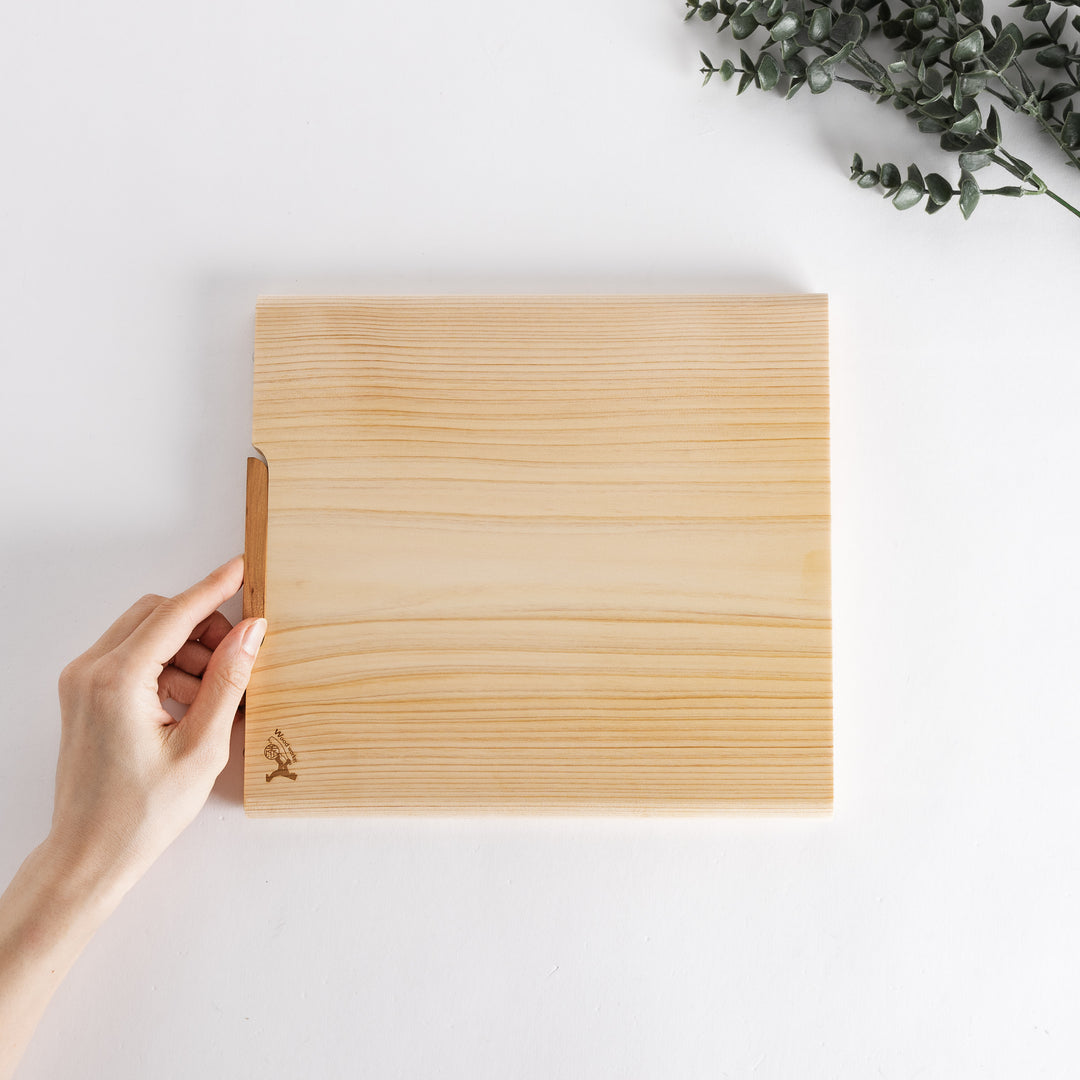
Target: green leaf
x=851, y=28
x=938, y=188
x=1001, y=54
x=907, y=197
x=1060, y=92
x=993, y=124
x=914, y=177
x=930, y=126
x=708, y=11
x=742, y=26
x=969, y=194
x=868, y=179
x=789, y=48
x=974, y=83
x=933, y=83
x=820, y=24
x=768, y=72
x=968, y=47
x=818, y=75
x=981, y=141
x=1036, y=12
x=934, y=48
x=972, y=10
x=940, y=110
x=890, y=175
x=841, y=55
x=856, y=164
x=747, y=63
x=973, y=161
x=925, y=17
x=787, y=26
x=1070, y=131
x=967, y=125
x=1057, y=56
x=727, y=69
x=744, y=82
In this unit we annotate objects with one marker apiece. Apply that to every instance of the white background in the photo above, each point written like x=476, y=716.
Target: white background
x=164, y=165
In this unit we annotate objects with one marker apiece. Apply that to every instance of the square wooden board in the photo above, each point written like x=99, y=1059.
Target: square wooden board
x=534, y=554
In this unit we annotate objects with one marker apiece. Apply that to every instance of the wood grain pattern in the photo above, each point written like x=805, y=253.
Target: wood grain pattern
x=255, y=539
x=544, y=554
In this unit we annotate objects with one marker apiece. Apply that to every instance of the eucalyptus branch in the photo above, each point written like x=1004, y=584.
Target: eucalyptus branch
x=945, y=61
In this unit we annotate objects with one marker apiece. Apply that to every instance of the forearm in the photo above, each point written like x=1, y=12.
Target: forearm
x=47, y=915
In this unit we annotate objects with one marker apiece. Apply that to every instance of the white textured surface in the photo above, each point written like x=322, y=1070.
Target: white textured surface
x=163, y=166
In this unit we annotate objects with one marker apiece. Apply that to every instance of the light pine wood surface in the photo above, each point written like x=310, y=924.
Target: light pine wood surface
x=543, y=554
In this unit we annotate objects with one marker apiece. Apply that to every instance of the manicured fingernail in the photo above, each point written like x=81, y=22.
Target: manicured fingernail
x=253, y=636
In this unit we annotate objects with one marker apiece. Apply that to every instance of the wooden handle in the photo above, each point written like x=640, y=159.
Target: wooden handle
x=255, y=539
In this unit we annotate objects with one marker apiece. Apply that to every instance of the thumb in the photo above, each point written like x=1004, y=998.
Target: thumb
x=211, y=714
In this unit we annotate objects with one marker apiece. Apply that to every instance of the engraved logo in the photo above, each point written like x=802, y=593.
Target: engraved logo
x=279, y=750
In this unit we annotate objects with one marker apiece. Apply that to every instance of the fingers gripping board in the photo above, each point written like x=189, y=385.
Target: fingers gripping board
x=541, y=554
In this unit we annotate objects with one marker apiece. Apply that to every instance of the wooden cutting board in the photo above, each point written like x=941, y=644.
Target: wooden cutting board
x=541, y=554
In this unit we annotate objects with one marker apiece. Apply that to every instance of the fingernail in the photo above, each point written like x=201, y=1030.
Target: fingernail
x=253, y=636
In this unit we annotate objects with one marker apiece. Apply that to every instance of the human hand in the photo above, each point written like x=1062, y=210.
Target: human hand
x=128, y=780
x=129, y=777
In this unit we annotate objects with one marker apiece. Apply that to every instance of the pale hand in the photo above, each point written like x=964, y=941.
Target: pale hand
x=129, y=779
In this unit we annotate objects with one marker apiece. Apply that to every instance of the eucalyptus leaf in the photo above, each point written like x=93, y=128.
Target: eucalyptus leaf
x=850, y=28
x=967, y=125
x=787, y=26
x=907, y=197
x=1054, y=57
x=943, y=64
x=820, y=24
x=1000, y=55
x=969, y=194
x=1070, y=131
x=938, y=188
x=818, y=76
x=925, y=17
x=890, y=175
x=968, y=47
x=768, y=72
x=1060, y=92
x=742, y=26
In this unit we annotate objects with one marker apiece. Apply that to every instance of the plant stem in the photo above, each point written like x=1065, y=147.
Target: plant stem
x=1059, y=199
x=1034, y=112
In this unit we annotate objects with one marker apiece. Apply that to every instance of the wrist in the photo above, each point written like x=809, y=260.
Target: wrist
x=78, y=878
